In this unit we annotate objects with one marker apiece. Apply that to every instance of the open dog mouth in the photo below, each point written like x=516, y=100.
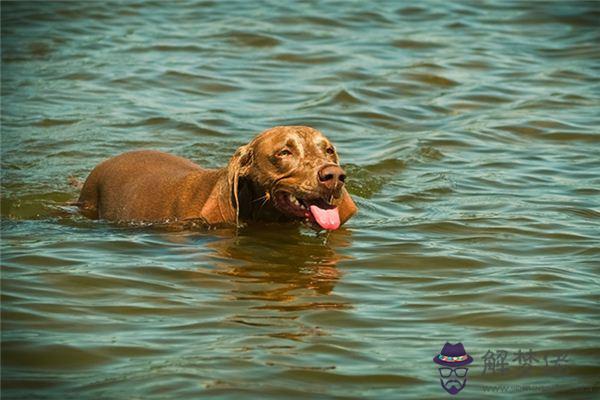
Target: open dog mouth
x=318, y=210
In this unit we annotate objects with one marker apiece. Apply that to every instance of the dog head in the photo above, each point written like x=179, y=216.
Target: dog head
x=293, y=171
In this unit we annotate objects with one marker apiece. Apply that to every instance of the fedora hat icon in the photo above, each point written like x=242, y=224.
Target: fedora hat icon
x=453, y=355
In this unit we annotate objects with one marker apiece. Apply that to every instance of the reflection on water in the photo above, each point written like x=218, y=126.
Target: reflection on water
x=281, y=277
x=273, y=269
x=469, y=134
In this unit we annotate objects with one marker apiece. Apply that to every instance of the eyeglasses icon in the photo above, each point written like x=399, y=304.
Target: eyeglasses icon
x=459, y=372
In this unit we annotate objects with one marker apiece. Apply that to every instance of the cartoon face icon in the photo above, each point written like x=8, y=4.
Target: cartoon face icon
x=453, y=380
x=453, y=372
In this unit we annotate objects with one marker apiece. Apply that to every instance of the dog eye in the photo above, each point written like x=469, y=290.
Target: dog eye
x=284, y=153
x=330, y=151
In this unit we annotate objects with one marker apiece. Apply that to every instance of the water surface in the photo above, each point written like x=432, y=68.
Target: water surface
x=469, y=132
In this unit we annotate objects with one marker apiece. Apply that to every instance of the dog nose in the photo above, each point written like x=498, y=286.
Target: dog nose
x=332, y=176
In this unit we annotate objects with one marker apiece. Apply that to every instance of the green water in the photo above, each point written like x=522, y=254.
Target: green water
x=469, y=132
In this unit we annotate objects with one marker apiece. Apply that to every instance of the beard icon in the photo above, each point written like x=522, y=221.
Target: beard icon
x=453, y=384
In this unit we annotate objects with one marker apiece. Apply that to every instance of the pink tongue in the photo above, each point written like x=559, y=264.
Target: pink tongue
x=328, y=219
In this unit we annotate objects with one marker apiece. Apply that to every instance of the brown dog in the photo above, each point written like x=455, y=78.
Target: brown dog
x=285, y=173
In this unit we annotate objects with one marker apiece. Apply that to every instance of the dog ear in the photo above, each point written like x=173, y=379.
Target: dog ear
x=239, y=165
x=222, y=205
x=241, y=160
x=346, y=208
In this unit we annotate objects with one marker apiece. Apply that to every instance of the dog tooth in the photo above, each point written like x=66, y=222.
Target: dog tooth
x=294, y=200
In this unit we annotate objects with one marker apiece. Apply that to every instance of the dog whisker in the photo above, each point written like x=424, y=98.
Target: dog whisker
x=266, y=198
